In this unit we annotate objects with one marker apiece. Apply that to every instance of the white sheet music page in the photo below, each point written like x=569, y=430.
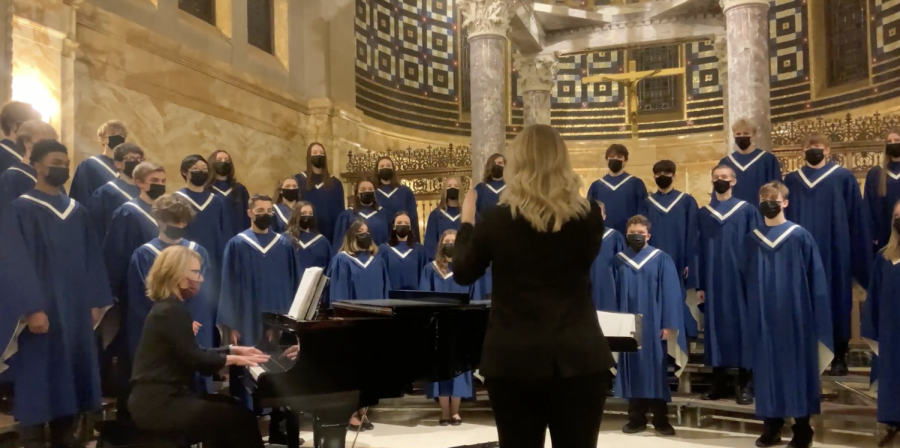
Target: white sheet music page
x=313, y=304
x=305, y=292
x=620, y=325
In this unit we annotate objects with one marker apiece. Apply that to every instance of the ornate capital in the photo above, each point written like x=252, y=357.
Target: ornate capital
x=728, y=4
x=485, y=16
x=537, y=72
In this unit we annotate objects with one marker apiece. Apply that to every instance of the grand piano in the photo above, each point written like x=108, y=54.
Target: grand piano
x=363, y=351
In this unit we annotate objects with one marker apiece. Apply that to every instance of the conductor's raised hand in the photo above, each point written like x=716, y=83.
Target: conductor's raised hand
x=38, y=322
x=468, y=208
x=246, y=351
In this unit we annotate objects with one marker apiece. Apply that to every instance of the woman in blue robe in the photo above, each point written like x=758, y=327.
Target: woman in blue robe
x=394, y=197
x=403, y=256
x=287, y=194
x=603, y=289
x=108, y=198
x=313, y=249
x=622, y=193
x=324, y=191
x=438, y=277
x=233, y=193
x=365, y=207
x=96, y=171
x=20, y=177
x=443, y=218
x=492, y=183
x=211, y=227
x=882, y=190
x=648, y=284
x=357, y=272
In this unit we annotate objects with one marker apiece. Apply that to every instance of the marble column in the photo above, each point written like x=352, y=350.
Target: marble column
x=747, y=26
x=487, y=22
x=537, y=76
x=6, y=46
x=721, y=45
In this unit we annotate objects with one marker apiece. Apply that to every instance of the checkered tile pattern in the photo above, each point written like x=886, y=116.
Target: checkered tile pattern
x=788, y=50
x=702, y=68
x=885, y=28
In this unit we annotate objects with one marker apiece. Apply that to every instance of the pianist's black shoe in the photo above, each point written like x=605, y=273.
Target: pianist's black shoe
x=355, y=428
x=455, y=421
x=839, y=367
x=366, y=424
x=444, y=422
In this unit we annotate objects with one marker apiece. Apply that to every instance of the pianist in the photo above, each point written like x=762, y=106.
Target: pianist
x=545, y=359
x=168, y=357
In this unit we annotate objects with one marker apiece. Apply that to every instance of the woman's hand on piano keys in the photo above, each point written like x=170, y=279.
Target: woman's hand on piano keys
x=246, y=361
x=292, y=352
x=197, y=326
x=246, y=351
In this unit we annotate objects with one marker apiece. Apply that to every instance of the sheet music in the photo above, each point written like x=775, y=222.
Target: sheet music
x=313, y=305
x=306, y=292
x=620, y=325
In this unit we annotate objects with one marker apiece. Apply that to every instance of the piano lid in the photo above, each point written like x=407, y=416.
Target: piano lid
x=395, y=307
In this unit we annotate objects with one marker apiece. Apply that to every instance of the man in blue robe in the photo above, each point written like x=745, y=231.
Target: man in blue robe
x=752, y=166
x=55, y=370
x=674, y=216
x=108, y=198
x=12, y=115
x=622, y=193
x=789, y=316
x=723, y=226
x=603, y=289
x=20, y=177
x=826, y=201
x=96, y=171
x=647, y=283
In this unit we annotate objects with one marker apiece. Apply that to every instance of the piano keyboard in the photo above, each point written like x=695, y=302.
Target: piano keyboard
x=255, y=372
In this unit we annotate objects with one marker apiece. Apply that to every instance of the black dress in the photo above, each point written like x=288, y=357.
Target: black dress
x=545, y=358
x=162, y=398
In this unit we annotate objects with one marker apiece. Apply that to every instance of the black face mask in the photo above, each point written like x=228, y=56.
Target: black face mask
x=892, y=149
x=615, y=165
x=57, y=176
x=262, y=222
x=385, y=173
x=447, y=249
x=722, y=186
x=402, y=231
x=636, y=241
x=223, y=168
x=307, y=222
x=815, y=156
x=317, y=161
x=664, y=182
x=770, y=209
x=115, y=140
x=198, y=178
x=174, y=233
x=367, y=197
x=290, y=194
x=742, y=142
x=364, y=240
x=497, y=172
x=896, y=225
x=156, y=190
x=128, y=167
x=453, y=194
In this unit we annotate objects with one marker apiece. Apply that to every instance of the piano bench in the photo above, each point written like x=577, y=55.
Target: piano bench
x=125, y=434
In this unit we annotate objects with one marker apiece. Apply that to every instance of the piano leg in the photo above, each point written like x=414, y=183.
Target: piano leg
x=292, y=429
x=330, y=429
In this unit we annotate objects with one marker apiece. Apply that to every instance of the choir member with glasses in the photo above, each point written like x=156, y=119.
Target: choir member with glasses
x=324, y=191
x=233, y=193
x=723, y=225
x=287, y=193
x=882, y=190
x=404, y=257
x=168, y=358
x=826, y=201
x=365, y=207
x=622, y=193
x=394, y=197
x=603, y=290
x=61, y=293
x=13, y=115
x=97, y=171
x=21, y=177
x=108, y=198
x=752, y=166
x=313, y=249
x=648, y=283
x=211, y=227
x=443, y=218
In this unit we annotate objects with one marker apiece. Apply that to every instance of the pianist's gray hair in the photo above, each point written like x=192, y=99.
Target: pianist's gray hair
x=541, y=185
x=172, y=266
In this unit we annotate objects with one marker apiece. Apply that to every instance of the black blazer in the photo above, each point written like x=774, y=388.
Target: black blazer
x=542, y=323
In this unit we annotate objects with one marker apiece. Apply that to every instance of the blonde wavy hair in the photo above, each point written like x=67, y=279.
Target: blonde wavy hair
x=171, y=267
x=541, y=185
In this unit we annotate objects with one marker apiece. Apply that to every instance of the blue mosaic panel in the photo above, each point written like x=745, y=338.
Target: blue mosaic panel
x=702, y=69
x=604, y=62
x=788, y=49
x=885, y=28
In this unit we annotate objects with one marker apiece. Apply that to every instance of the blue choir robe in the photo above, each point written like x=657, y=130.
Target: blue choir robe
x=723, y=227
x=357, y=277
x=488, y=195
x=14, y=182
x=377, y=221
x=211, y=227
x=789, y=318
x=404, y=264
x=237, y=200
x=399, y=199
x=328, y=203
x=259, y=275
x=879, y=330
x=313, y=251
x=647, y=283
x=673, y=222
x=282, y=218
x=434, y=280
x=880, y=208
x=622, y=195
x=827, y=203
x=439, y=221
x=106, y=200
x=131, y=226
x=91, y=174
x=751, y=171
x=8, y=155
x=56, y=374
x=603, y=289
